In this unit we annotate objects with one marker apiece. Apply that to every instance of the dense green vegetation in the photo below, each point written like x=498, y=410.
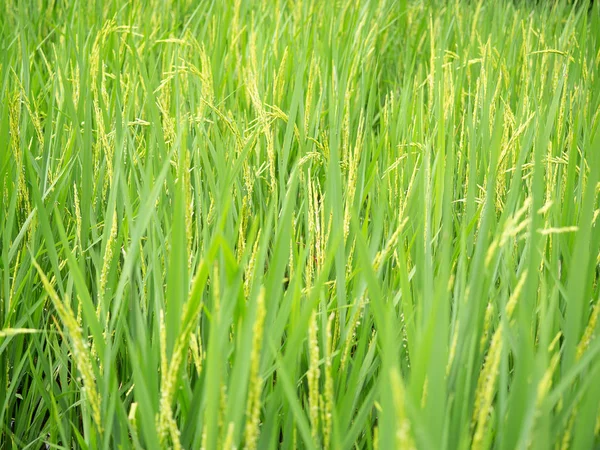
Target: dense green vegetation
x=299, y=224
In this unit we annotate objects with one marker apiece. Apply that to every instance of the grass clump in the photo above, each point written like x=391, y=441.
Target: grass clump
x=299, y=224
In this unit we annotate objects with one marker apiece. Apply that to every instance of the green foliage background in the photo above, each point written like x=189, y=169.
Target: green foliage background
x=299, y=224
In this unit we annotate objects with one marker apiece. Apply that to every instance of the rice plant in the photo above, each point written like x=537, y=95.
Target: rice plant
x=299, y=224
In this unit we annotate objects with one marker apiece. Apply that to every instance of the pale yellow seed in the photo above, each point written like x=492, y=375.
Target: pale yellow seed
x=189, y=210
x=313, y=376
x=228, y=442
x=279, y=85
x=132, y=416
x=381, y=256
x=249, y=273
x=77, y=214
x=166, y=425
x=566, y=440
x=309, y=94
x=588, y=334
x=8, y=332
x=80, y=350
x=352, y=175
x=255, y=382
x=554, y=342
x=404, y=438
x=196, y=350
x=546, y=382
x=222, y=411
x=328, y=397
x=487, y=323
x=512, y=301
x=376, y=438
x=354, y=322
x=108, y=256
x=486, y=387
x=453, y=347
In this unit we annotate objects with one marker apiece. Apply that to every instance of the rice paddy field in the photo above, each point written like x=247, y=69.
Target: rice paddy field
x=299, y=224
